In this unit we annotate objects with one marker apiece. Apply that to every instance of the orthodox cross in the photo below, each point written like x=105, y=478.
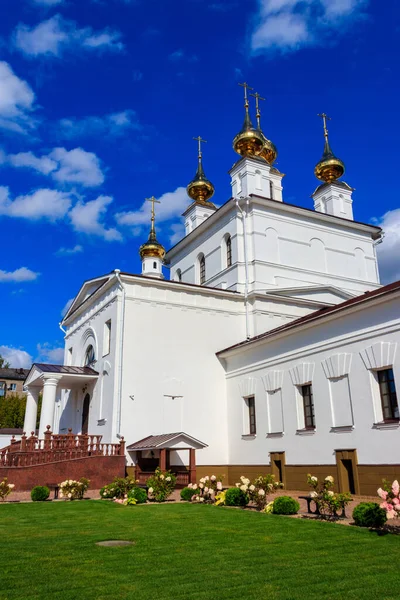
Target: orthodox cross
x=257, y=97
x=153, y=212
x=324, y=118
x=200, y=141
x=246, y=87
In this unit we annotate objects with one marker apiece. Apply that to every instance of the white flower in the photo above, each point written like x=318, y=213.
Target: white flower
x=329, y=478
x=261, y=492
x=70, y=495
x=212, y=494
x=206, y=478
x=11, y=486
x=219, y=485
x=168, y=479
x=201, y=485
x=194, y=486
x=202, y=480
x=60, y=494
x=206, y=489
x=330, y=493
x=243, y=488
x=125, y=495
x=150, y=490
x=314, y=479
x=213, y=478
x=313, y=494
x=252, y=488
x=190, y=486
x=161, y=476
x=201, y=499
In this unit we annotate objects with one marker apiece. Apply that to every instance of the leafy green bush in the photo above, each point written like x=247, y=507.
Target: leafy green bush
x=40, y=493
x=236, y=497
x=187, y=493
x=161, y=485
x=369, y=514
x=118, y=488
x=139, y=494
x=285, y=505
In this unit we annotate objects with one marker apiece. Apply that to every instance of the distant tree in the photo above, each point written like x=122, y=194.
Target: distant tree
x=12, y=412
x=4, y=364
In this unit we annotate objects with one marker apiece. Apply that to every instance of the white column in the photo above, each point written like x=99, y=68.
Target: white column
x=48, y=403
x=31, y=410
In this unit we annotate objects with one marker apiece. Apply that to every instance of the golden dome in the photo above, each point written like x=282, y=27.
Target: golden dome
x=152, y=248
x=249, y=141
x=200, y=189
x=329, y=168
x=269, y=151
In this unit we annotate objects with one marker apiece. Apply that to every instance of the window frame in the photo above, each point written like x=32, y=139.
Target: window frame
x=392, y=406
x=202, y=269
x=88, y=363
x=251, y=406
x=306, y=393
x=107, y=337
x=228, y=244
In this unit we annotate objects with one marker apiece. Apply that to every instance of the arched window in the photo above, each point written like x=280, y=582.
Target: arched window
x=202, y=269
x=228, y=251
x=90, y=356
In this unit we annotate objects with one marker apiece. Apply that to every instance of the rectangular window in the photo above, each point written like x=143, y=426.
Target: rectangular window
x=13, y=387
x=107, y=338
x=202, y=270
x=387, y=389
x=229, y=252
x=308, y=405
x=2, y=388
x=252, y=414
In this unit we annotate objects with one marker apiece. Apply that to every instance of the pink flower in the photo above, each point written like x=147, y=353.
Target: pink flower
x=397, y=507
x=395, y=487
x=391, y=514
x=219, y=485
x=396, y=501
x=384, y=505
x=382, y=494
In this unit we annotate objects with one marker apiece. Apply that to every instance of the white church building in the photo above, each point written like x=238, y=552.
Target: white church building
x=271, y=347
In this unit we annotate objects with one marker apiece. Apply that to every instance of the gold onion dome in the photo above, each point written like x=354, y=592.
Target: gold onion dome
x=329, y=168
x=249, y=141
x=200, y=189
x=269, y=151
x=152, y=248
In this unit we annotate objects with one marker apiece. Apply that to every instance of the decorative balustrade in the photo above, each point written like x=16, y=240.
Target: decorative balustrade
x=29, y=451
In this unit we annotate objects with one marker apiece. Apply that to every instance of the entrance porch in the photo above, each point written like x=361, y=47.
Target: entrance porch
x=164, y=451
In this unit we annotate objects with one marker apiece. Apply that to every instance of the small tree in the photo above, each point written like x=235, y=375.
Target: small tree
x=4, y=364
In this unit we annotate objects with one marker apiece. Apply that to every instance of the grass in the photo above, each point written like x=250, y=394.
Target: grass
x=185, y=552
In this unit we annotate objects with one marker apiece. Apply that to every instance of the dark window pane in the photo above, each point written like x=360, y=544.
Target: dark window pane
x=229, y=252
x=252, y=415
x=202, y=270
x=388, y=394
x=308, y=405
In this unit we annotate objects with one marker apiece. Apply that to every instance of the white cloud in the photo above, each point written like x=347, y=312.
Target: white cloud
x=56, y=35
x=389, y=250
x=67, y=307
x=172, y=205
x=287, y=25
x=48, y=354
x=65, y=166
x=69, y=251
x=21, y=274
x=88, y=218
x=19, y=359
x=16, y=101
x=40, y=204
x=177, y=233
x=114, y=124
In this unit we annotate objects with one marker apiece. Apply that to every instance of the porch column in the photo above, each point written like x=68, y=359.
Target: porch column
x=48, y=403
x=192, y=465
x=163, y=459
x=31, y=409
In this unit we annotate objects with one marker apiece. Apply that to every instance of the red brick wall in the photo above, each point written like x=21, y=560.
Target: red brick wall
x=99, y=469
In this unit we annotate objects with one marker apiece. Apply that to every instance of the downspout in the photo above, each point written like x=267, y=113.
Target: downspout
x=121, y=348
x=246, y=266
x=61, y=327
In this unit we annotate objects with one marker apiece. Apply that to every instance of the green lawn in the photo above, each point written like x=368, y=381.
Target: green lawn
x=186, y=552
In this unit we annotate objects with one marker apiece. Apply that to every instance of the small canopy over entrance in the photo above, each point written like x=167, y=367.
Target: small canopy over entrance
x=51, y=378
x=161, y=450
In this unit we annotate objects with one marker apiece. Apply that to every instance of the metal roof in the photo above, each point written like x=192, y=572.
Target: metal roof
x=152, y=442
x=10, y=373
x=65, y=370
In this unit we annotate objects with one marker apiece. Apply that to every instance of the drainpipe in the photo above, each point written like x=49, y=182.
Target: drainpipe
x=121, y=348
x=246, y=266
x=62, y=329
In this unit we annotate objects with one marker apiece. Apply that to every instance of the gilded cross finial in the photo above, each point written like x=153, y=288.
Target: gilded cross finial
x=153, y=212
x=324, y=118
x=200, y=141
x=257, y=96
x=246, y=87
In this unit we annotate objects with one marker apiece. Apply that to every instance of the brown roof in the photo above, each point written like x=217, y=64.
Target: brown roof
x=17, y=374
x=320, y=314
x=65, y=370
x=155, y=441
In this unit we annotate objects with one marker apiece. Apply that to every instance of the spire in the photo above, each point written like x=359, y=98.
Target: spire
x=329, y=168
x=269, y=151
x=249, y=141
x=152, y=248
x=200, y=189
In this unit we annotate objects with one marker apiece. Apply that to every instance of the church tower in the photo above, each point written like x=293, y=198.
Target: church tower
x=332, y=197
x=200, y=190
x=254, y=173
x=152, y=253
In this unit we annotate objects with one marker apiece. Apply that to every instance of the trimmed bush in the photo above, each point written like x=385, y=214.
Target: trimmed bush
x=187, y=493
x=236, y=497
x=139, y=494
x=40, y=493
x=369, y=514
x=285, y=505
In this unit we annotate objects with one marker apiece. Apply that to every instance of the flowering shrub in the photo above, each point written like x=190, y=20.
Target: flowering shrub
x=118, y=488
x=161, y=485
x=390, y=494
x=70, y=489
x=328, y=501
x=5, y=488
x=207, y=489
x=260, y=488
x=188, y=492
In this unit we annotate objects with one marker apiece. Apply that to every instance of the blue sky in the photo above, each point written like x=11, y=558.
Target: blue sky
x=100, y=100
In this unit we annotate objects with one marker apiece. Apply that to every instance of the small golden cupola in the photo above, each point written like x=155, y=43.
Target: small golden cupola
x=269, y=151
x=152, y=252
x=200, y=189
x=249, y=141
x=329, y=168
